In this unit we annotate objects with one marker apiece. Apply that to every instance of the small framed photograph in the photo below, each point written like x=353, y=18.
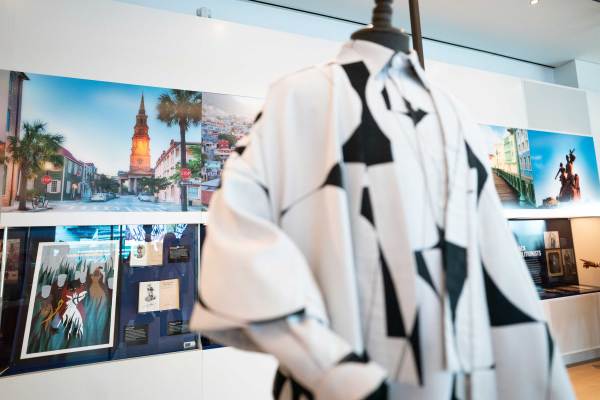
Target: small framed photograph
x=569, y=262
x=551, y=240
x=554, y=263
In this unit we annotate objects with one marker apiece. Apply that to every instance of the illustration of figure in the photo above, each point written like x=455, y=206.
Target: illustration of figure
x=97, y=291
x=72, y=312
x=150, y=293
x=139, y=251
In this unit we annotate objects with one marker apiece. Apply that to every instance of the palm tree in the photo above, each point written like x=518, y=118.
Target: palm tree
x=183, y=108
x=31, y=152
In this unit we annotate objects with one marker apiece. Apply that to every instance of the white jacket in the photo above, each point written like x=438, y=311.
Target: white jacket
x=359, y=220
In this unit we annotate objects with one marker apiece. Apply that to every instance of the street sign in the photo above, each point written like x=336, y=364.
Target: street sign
x=186, y=174
x=46, y=179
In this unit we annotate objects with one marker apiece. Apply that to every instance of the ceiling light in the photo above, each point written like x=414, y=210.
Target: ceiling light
x=534, y=2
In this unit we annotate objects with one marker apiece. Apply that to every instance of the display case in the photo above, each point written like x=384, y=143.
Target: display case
x=84, y=294
x=548, y=249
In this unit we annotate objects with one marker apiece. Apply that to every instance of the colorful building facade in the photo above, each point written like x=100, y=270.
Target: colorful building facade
x=11, y=94
x=166, y=167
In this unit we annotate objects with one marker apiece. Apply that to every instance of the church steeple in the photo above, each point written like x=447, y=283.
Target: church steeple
x=142, y=107
x=141, y=120
x=139, y=160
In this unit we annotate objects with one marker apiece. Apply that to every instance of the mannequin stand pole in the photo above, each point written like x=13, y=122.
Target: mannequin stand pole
x=415, y=28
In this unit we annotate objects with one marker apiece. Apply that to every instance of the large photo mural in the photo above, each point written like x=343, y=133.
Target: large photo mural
x=83, y=145
x=536, y=169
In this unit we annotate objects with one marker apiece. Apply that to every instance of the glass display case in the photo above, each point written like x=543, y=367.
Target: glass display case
x=548, y=249
x=82, y=294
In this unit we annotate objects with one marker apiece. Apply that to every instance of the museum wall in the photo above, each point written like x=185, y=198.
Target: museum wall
x=275, y=18
x=119, y=42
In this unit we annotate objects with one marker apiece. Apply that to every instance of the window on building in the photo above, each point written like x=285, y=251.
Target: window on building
x=54, y=186
x=8, y=120
x=68, y=187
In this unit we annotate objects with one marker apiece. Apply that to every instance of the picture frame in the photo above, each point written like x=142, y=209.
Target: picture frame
x=569, y=261
x=72, y=304
x=551, y=240
x=554, y=264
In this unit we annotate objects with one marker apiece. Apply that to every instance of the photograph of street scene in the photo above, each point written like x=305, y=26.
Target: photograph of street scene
x=535, y=169
x=82, y=145
x=225, y=120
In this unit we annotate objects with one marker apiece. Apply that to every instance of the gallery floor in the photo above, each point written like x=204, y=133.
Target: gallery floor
x=586, y=380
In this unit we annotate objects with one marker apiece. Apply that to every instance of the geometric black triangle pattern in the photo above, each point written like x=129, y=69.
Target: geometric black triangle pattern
x=334, y=178
x=365, y=206
x=394, y=320
x=550, y=348
x=240, y=149
x=368, y=144
x=474, y=162
x=455, y=264
x=415, y=115
x=501, y=310
x=415, y=343
x=386, y=98
x=423, y=271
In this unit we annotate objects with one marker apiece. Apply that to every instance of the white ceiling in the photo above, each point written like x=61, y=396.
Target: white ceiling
x=551, y=33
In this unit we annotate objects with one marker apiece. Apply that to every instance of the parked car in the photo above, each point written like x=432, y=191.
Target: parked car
x=99, y=197
x=145, y=196
x=110, y=195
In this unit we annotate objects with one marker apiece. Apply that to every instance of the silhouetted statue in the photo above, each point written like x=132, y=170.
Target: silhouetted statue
x=569, y=180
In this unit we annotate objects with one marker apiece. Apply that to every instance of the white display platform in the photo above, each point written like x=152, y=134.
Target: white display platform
x=575, y=324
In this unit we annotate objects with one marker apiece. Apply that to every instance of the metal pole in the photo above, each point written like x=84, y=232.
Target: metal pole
x=415, y=28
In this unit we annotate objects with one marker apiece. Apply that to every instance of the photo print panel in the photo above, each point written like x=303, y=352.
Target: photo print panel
x=73, y=296
x=510, y=161
x=554, y=263
x=565, y=171
x=225, y=120
x=109, y=146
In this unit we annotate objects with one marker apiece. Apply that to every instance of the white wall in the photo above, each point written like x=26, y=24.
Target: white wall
x=586, y=238
x=120, y=42
x=271, y=17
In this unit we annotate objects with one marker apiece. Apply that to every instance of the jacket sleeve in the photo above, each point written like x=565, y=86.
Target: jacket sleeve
x=256, y=289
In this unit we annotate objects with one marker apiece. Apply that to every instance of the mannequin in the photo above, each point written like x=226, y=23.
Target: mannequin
x=383, y=268
x=382, y=32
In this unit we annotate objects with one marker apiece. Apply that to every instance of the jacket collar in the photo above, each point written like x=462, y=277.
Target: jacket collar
x=377, y=58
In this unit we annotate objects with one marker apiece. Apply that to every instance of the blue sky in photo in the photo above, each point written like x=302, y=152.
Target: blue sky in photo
x=498, y=132
x=97, y=118
x=548, y=150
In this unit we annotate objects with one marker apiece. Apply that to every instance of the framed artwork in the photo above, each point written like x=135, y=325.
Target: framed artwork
x=554, y=263
x=551, y=240
x=73, y=297
x=569, y=262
